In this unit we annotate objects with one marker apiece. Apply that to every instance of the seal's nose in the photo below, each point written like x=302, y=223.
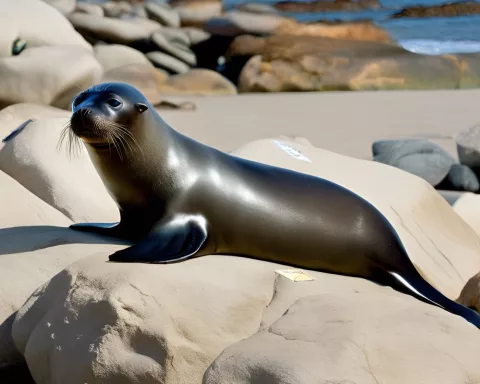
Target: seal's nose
x=80, y=121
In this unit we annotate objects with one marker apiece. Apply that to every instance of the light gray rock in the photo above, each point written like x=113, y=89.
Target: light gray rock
x=460, y=178
x=468, y=147
x=163, y=14
x=49, y=75
x=196, y=35
x=234, y=23
x=176, y=50
x=111, y=30
x=64, y=6
x=117, y=9
x=169, y=63
x=112, y=56
x=177, y=36
x=419, y=157
x=91, y=9
x=36, y=23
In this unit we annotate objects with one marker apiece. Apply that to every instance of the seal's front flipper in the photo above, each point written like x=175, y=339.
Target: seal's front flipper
x=106, y=229
x=171, y=242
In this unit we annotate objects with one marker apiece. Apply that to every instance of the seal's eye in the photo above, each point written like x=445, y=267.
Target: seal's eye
x=113, y=102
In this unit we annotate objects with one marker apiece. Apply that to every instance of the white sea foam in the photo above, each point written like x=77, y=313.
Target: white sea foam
x=438, y=47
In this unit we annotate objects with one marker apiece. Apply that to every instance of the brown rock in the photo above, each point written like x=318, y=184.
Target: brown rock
x=145, y=77
x=355, y=30
x=460, y=8
x=308, y=63
x=197, y=82
x=470, y=295
x=326, y=5
x=195, y=12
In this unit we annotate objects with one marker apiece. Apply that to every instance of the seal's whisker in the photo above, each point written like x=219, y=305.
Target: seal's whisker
x=117, y=140
x=123, y=142
x=122, y=135
x=130, y=137
x=73, y=142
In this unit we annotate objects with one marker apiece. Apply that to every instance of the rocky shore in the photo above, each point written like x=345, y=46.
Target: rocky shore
x=192, y=47
x=68, y=315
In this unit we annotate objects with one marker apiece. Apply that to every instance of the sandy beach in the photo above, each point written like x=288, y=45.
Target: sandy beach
x=342, y=122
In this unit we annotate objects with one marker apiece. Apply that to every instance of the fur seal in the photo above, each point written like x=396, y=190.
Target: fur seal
x=180, y=199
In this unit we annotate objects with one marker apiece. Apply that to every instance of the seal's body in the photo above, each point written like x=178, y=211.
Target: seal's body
x=180, y=199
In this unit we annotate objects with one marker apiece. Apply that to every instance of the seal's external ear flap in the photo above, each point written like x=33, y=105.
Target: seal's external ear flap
x=141, y=107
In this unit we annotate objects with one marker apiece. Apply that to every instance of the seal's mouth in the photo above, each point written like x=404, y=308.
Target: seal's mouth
x=104, y=145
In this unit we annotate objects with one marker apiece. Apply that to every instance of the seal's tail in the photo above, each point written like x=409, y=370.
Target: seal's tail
x=417, y=286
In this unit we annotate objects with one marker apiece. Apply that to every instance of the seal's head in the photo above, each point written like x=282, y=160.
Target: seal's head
x=104, y=115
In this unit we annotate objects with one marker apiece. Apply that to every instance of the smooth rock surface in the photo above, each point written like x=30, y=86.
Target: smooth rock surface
x=468, y=146
x=163, y=14
x=234, y=23
x=112, y=56
x=35, y=244
x=17, y=116
x=460, y=178
x=194, y=13
x=38, y=24
x=37, y=159
x=198, y=82
x=467, y=206
x=109, y=29
x=419, y=157
x=196, y=35
x=351, y=337
x=470, y=295
x=49, y=75
x=313, y=63
x=64, y=6
x=178, y=50
x=117, y=9
x=354, y=30
x=168, y=63
x=91, y=9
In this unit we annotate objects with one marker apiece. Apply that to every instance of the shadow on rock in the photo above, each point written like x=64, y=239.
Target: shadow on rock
x=32, y=238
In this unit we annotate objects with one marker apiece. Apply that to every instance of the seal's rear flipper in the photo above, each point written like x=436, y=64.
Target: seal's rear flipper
x=416, y=286
x=174, y=241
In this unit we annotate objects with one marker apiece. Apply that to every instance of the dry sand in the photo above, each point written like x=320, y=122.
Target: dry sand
x=343, y=122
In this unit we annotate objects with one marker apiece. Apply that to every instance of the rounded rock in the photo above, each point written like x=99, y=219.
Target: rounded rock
x=168, y=63
x=177, y=50
x=112, y=56
x=163, y=14
x=198, y=82
x=111, y=30
x=460, y=178
x=419, y=157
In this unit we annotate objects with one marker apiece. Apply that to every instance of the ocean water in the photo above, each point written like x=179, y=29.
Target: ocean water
x=427, y=35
